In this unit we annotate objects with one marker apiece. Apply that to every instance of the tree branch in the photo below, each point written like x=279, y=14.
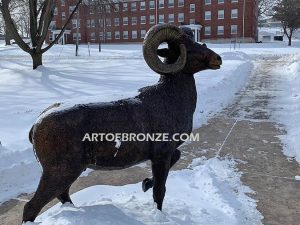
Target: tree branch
x=46, y=23
x=63, y=29
x=33, y=21
x=9, y=23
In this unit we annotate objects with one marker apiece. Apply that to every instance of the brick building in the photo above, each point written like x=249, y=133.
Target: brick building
x=129, y=20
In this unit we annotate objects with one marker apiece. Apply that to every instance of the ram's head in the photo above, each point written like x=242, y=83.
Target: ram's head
x=183, y=54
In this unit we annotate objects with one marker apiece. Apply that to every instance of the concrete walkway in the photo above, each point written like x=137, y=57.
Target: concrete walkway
x=242, y=131
x=252, y=140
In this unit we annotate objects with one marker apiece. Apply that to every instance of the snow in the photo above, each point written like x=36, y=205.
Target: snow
x=288, y=103
x=209, y=192
x=117, y=72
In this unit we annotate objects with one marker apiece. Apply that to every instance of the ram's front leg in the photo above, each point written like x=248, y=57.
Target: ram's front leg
x=160, y=171
x=148, y=182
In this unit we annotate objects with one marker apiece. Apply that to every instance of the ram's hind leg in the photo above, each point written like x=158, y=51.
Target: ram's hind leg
x=148, y=182
x=65, y=197
x=52, y=184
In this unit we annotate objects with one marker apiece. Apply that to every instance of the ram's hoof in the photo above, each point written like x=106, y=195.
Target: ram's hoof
x=147, y=184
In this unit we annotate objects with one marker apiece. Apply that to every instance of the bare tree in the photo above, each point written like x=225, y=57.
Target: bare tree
x=41, y=13
x=15, y=8
x=265, y=7
x=288, y=12
x=101, y=10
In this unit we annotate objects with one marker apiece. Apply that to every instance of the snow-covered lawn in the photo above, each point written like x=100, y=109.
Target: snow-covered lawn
x=211, y=193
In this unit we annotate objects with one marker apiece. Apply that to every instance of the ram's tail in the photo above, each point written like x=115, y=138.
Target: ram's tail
x=30, y=135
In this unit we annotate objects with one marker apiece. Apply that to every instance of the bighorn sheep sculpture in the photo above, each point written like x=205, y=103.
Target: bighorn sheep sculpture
x=166, y=107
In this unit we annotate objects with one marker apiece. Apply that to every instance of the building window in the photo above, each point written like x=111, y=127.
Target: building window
x=192, y=21
x=117, y=34
x=108, y=35
x=116, y=7
x=161, y=3
x=101, y=22
x=170, y=3
x=92, y=23
x=207, y=30
x=91, y=10
x=143, y=19
x=107, y=7
x=125, y=34
x=125, y=20
x=221, y=14
x=74, y=22
x=93, y=36
x=192, y=7
x=180, y=3
x=171, y=18
x=125, y=7
x=220, y=30
x=234, y=13
x=152, y=19
x=220, y=1
x=133, y=6
x=117, y=21
x=55, y=11
x=52, y=25
x=101, y=35
x=207, y=15
x=233, y=1
x=134, y=34
x=233, y=29
x=133, y=20
x=75, y=35
x=108, y=22
x=161, y=19
x=143, y=33
x=180, y=17
x=63, y=2
x=152, y=4
x=63, y=15
x=142, y=5
x=207, y=2
x=71, y=8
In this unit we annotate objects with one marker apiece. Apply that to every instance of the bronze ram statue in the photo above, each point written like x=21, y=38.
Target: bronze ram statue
x=166, y=107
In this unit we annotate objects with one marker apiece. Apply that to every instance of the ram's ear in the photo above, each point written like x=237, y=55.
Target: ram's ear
x=164, y=52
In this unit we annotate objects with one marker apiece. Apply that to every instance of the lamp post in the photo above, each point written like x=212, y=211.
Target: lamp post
x=77, y=32
x=156, y=11
x=244, y=9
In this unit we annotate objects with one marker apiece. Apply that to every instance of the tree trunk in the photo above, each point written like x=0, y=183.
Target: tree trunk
x=290, y=41
x=37, y=59
x=7, y=37
x=7, y=40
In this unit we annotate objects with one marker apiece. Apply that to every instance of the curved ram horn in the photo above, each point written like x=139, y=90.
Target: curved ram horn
x=154, y=37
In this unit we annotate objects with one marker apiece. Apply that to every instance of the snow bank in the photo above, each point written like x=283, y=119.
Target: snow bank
x=216, y=89
x=209, y=192
x=288, y=103
x=19, y=173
